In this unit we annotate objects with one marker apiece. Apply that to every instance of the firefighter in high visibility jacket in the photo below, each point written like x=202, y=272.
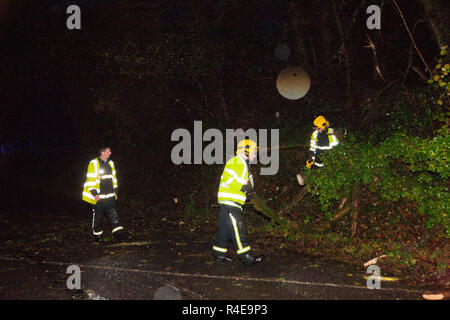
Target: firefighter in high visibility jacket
x=100, y=190
x=235, y=184
x=322, y=140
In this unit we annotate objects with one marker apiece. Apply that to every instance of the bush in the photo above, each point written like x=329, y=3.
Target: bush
x=400, y=168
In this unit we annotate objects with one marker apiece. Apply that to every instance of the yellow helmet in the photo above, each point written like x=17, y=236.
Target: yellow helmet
x=246, y=146
x=321, y=122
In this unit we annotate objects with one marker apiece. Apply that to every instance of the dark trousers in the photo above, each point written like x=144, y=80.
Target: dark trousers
x=106, y=207
x=317, y=159
x=232, y=227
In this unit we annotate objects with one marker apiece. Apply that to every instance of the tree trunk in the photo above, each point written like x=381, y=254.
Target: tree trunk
x=298, y=32
x=430, y=14
x=222, y=102
x=325, y=32
x=343, y=51
x=400, y=13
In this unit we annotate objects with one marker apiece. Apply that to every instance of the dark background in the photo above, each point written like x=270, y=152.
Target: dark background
x=137, y=70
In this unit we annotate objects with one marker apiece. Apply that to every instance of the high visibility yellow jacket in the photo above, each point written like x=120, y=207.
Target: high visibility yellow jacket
x=234, y=176
x=316, y=145
x=93, y=177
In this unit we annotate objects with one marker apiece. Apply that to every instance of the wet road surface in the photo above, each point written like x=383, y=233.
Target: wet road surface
x=166, y=263
x=143, y=269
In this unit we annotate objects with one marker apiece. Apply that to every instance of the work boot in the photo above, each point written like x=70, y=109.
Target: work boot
x=247, y=259
x=222, y=258
x=120, y=236
x=300, y=180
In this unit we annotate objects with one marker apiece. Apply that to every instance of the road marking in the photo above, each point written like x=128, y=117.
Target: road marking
x=209, y=276
x=381, y=278
x=91, y=294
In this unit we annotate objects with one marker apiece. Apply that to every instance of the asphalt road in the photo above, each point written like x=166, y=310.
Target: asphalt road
x=164, y=261
x=181, y=271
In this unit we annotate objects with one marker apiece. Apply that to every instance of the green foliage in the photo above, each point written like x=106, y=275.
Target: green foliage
x=440, y=80
x=400, y=168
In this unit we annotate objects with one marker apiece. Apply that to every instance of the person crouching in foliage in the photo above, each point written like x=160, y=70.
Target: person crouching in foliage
x=100, y=190
x=322, y=139
x=235, y=184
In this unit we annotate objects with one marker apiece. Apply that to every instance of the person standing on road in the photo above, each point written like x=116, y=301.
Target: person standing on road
x=322, y=140
x=100, y=190
x=235, y=184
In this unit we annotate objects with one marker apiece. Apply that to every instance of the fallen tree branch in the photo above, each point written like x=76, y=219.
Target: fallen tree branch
x=299, y=197
x=374, y=260
x=260, y=206
x=343, y=209
x=342, y=213
x=355, y=209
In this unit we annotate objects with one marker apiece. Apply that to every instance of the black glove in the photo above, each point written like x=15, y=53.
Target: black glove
x=246, y=188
